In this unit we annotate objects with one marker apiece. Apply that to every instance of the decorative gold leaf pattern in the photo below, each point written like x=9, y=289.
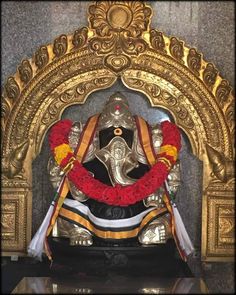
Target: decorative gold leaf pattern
x=80, y=38
x=26, y=72
x=119, y=27
x=209, y=75
x=194, y=61
x=176, y=48
x=41, y=57
x=222, y=92
x=109, y=17
x=157, y=40
x=60, y=46
x=12, y=88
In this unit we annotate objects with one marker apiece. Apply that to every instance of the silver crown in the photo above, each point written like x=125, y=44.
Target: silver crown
x=116, y=113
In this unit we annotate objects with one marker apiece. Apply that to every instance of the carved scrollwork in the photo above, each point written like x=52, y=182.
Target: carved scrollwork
x=104, y=45
x=119, y=27
x=12, y=88
x=221, y=224
x=5, y=111
x=222, y=92
x=154, y=89
x=170, y=99
x=25, y=70
x=230, y=115
x=226, y=226
x=14, y=218
x=132, y=45
x=194, y=61
x=8, y=226
x=16, y=182
x=80, y=38
x=162, y=97
x=41, y=57
x=60, y=46
x=209, y=75
x=72, y=95
x=176, y=49
x=8, y=207
x=157, y=40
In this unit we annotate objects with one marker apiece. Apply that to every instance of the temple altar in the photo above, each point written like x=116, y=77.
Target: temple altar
x=163, y=79
x=114, y=285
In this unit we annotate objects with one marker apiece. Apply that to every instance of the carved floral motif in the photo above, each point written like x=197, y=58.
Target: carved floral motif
x=60, y=46
x=194, y=61
x=222, y=92
x=127, y=17
x=176, y=48
x=209, y=75
x=25, y=70
x=119, y=30
x=12, y=88
x=157, y=40
x=41, y=57
x=80, y=38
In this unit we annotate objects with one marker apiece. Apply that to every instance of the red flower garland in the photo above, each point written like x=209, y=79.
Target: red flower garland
x=117, y=195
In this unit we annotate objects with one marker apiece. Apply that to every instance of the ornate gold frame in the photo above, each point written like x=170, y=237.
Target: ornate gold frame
x=119, y=43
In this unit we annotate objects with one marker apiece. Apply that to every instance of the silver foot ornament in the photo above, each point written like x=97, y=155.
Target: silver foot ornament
x=157, y=232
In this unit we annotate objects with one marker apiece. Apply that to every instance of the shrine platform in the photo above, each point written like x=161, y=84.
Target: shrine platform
x=112, y=284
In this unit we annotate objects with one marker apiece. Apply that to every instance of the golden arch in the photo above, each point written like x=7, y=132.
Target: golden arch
x=172, y=76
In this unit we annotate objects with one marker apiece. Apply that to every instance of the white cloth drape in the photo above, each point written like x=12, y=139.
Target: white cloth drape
x=182, y=235
x=36, y=246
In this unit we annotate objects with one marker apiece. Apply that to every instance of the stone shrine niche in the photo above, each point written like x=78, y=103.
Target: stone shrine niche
x=164, y=74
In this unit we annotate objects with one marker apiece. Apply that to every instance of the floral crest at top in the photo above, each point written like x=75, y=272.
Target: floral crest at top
x=118, y=27
x=132, y=17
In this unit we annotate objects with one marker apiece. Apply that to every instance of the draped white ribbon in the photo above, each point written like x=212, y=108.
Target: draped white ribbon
x=36, y=246
x=182, y=235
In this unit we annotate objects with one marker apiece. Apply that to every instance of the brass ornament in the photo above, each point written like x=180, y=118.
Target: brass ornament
x=157, y=40
x=41, y=57
x=177, y=48
x=118, y=27
x=12, y=88
x=14, y=218
x=117, y=63
x=60, y=46
x=194, y=61
x=119, y=42
x=80, y=38
x=220, y=223
x=223, y=92
x=26, y=72
x=222, y=167
x=13, y=163
x=209, y=75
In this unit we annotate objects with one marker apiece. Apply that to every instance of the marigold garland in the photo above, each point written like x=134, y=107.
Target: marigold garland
x=117, y=195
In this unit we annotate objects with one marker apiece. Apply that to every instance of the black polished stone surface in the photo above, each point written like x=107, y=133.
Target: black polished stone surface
x=112, y=284
x=154, y=260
